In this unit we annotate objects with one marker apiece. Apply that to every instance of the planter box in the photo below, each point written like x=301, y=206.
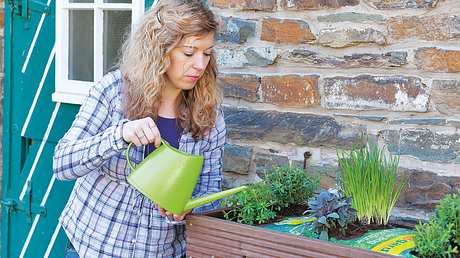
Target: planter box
x=209, y=236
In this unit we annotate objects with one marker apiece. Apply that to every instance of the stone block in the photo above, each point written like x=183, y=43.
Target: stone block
x=351, y=17
x=260, y=56
x=291, y=90
x=339, y=38
x=455, y=27
x=396, y=93
x=244, y=86
x=438, y=191
x=402, y=4
x=232, y=180
x=287, y=31
x=316, y=4
x=419, y=121
x=358, y=60
x=328, y=174
x=264, y=162
x=287, y=127
x=423, y=144
x=244, y=5
x=349, y=134
x=237, y=159
x=235, y=30
x=431, y=28
x=446, y=96
x=248, y=56
x=437, y=60
x=426, y=189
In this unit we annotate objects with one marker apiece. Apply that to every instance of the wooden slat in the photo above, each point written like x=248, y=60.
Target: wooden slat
x=219, y=235
x=217, y=245
x=198, y=252
x=251, y=243
x=246, y=249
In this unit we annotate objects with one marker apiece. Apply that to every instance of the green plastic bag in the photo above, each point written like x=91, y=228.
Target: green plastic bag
x=395, y=241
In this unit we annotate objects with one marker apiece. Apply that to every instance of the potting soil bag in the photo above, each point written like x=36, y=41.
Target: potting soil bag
x=395, y=241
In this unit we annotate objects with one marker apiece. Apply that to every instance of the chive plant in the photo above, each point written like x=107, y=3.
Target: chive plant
x=370, y=178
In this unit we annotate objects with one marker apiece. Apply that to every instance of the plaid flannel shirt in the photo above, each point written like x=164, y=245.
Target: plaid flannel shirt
x=105, y=216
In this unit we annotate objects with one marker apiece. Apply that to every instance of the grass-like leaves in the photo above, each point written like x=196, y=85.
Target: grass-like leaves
x=369, y=176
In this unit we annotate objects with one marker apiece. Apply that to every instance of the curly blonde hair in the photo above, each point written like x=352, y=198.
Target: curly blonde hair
x=145, y=59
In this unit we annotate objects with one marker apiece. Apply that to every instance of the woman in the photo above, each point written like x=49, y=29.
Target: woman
x=165, y=88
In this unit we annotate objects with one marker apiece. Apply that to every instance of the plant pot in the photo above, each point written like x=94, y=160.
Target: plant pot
x=207, y=235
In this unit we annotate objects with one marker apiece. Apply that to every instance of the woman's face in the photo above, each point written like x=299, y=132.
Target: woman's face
x=189, y=61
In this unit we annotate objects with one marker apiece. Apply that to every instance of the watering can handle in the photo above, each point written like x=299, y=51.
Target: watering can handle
x=130, y=165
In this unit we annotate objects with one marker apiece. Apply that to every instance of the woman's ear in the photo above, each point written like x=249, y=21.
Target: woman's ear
x=167, y=60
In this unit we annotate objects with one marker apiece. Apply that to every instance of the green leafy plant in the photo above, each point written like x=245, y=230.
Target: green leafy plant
x=440, y=237
x=252, y=206
x=369, y=177
x=333, y=212
x=448, y=213
x=432, y=240
x=290, y=185
x=280, y=188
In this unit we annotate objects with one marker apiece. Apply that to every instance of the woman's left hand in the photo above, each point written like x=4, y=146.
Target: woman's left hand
x=180, y=217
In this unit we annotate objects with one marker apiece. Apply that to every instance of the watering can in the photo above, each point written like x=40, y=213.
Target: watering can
x=167, y=176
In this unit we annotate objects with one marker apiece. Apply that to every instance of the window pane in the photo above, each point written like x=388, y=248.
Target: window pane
x=116, y=24
x=117, y=1
x=81, y=45
x=81, y=1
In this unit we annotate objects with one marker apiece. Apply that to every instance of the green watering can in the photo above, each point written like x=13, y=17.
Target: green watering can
x=168, y=176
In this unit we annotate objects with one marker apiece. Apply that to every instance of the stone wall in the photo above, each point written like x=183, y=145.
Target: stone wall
x=303, y=78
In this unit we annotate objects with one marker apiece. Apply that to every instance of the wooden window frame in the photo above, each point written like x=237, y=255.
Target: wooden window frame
x=73, y=91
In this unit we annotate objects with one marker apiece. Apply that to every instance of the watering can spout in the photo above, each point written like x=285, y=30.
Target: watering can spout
x=193, y=203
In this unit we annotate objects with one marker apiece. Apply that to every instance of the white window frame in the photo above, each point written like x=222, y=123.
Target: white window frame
x=73, y=91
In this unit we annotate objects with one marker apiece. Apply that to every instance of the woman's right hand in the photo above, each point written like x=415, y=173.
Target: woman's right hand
x=142, y=132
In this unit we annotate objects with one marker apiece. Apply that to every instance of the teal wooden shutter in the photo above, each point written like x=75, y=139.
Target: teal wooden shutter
x=148, y=3
x=32, y=199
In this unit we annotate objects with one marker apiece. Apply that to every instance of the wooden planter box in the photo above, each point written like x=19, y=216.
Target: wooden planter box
x=209, y=236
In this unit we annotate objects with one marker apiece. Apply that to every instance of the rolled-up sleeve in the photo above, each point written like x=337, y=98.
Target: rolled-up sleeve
x=92, y=138
x=210, y=180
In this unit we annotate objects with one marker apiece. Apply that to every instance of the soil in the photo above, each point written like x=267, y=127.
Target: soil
x=357, y=229
x=291, y=211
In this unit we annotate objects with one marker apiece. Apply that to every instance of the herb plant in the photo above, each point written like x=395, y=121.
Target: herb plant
x=333, y=212
x=290, y=185
x=280, y=188
x=252, y=206
x=432, y=240
x=369, y=177
x=440, y=237
x=448, y=213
